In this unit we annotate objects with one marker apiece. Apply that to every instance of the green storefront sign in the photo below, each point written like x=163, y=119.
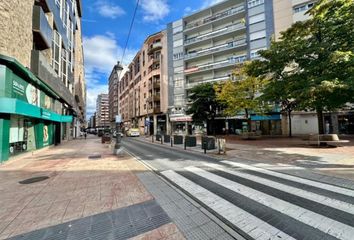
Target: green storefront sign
x=29, y=110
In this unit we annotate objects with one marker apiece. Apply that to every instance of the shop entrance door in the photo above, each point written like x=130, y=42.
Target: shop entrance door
x=57, y=133
x=29, y=135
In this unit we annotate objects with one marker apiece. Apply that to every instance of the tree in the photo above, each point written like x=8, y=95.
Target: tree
x=241, y=95
x=313, y=62
x=204, y=105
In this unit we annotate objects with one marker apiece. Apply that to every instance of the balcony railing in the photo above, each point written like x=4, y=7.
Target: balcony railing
x=156, y=84
x=214, y=65
x=215, y=17
x=41, y=28
x=211, y=34
x=191, y=85
x=154, y=47
x=216, y=48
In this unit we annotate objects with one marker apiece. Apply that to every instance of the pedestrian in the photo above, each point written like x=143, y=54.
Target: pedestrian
x=85, y=135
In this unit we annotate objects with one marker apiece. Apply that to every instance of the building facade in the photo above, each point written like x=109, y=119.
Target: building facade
x=206, y=46
x=102, y=111
x=116, y=74
x=42, y=93
x=143, y=89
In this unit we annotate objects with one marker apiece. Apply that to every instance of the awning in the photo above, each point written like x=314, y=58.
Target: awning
x=266, y=117
x=15, y=106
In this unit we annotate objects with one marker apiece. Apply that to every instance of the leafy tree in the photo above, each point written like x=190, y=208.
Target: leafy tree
x=204, y=105
x=241, y=95
x=313, y=61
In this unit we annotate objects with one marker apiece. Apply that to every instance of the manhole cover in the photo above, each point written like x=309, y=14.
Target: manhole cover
x=33, y=180
x=94, y=156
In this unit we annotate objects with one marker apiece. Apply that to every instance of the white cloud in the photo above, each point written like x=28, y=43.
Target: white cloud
x=101, y=53
x=154, y=10
x=208, y=3
x=107, y=9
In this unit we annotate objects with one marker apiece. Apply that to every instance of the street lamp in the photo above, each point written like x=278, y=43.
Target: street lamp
x=118, y=119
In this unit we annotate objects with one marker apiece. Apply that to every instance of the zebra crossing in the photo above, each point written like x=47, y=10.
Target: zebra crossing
x=264, y=204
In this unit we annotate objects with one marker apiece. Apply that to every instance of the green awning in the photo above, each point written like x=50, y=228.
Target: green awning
x=15, y=106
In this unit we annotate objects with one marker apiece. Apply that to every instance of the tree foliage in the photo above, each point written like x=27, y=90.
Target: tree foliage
x=240, y=95
x=204, y=105
x=313, y=61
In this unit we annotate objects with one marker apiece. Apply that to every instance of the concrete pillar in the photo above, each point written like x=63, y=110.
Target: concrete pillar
x=155, y=124
x=4, y=136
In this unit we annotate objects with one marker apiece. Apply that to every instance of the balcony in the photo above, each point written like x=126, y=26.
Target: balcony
x=215, y=49
x=42, y=69
x=191, y=85
x=215, y=33
x=42, y=32
x=215, y=17
x=157, y=109
x=156, y=84
x=154, y=47
x=215, y=65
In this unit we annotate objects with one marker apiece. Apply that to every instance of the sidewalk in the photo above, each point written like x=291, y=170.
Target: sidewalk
x=89, y=192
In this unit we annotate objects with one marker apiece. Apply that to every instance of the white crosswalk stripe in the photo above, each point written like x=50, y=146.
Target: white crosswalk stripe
x=340, y=205
x=251, y=225
x=332, y=227
x=320, y=185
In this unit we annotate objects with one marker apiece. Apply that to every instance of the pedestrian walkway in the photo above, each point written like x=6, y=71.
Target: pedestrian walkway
x=85, y=191
x=264, y=204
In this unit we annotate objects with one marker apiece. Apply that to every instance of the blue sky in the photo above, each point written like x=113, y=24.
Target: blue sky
x=105, y=25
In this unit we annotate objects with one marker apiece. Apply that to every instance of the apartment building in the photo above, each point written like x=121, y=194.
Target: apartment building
x=143, y=89
x=207, y=45
x=102, y=111
x=42, y=96
x=113, y=92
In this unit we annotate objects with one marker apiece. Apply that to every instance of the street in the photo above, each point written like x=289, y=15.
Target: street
x=256, y=202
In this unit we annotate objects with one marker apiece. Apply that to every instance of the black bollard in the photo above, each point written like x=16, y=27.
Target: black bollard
x=185, y=144
x=161, y=139
x=152, y=137
x=171, y=143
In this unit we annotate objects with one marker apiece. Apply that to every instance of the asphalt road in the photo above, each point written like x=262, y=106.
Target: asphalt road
x=259, y=203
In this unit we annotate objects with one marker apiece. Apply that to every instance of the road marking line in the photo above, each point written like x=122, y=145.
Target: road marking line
x=337, y=204
x=324, y=186
x=326, y=225
x=252, y=225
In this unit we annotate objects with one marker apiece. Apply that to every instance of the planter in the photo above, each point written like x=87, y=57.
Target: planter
x=177, y=139
x=191, y=141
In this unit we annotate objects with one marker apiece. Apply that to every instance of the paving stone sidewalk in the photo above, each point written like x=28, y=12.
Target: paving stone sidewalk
x=87, y=193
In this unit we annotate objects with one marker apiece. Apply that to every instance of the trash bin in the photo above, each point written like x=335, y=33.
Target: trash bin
x=166, y=138
x=208, y=143
x=191, y=141
x=106, y=138
x=177, y=139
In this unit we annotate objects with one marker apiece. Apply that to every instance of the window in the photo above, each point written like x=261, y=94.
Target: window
x=64, y=56
x=178, y=56
x=177, y=29
x=57, y=2
x=178, y=82
x=178, y=43
x=257, y=35
x=56, y=52
x=302, y=8
x=253, y=3
x=255, y=54
x=257, y=18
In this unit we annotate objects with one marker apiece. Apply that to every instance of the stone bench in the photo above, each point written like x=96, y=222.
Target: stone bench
x=325, y=139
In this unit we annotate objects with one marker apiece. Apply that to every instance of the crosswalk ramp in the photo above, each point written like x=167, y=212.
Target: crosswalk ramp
x=264, y=204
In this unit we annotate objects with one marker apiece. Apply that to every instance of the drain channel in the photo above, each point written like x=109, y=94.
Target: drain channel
x=33, y=180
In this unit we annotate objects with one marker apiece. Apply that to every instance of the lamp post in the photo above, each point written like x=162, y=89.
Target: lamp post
x=118, y=118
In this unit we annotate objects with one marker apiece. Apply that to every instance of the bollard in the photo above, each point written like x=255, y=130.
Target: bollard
x=204, y=147
x=152, y=137
x=171, y=143
x=185, y=144
x=161, y=139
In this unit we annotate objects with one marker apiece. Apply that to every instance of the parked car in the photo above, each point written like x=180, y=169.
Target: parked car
x=133, y=132
x=115, y=134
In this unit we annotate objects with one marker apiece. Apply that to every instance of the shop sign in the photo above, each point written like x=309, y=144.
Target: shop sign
x=181, y=119
x=24, y=91
x=45, y=114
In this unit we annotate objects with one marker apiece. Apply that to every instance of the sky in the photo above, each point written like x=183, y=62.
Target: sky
x=105, y=27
